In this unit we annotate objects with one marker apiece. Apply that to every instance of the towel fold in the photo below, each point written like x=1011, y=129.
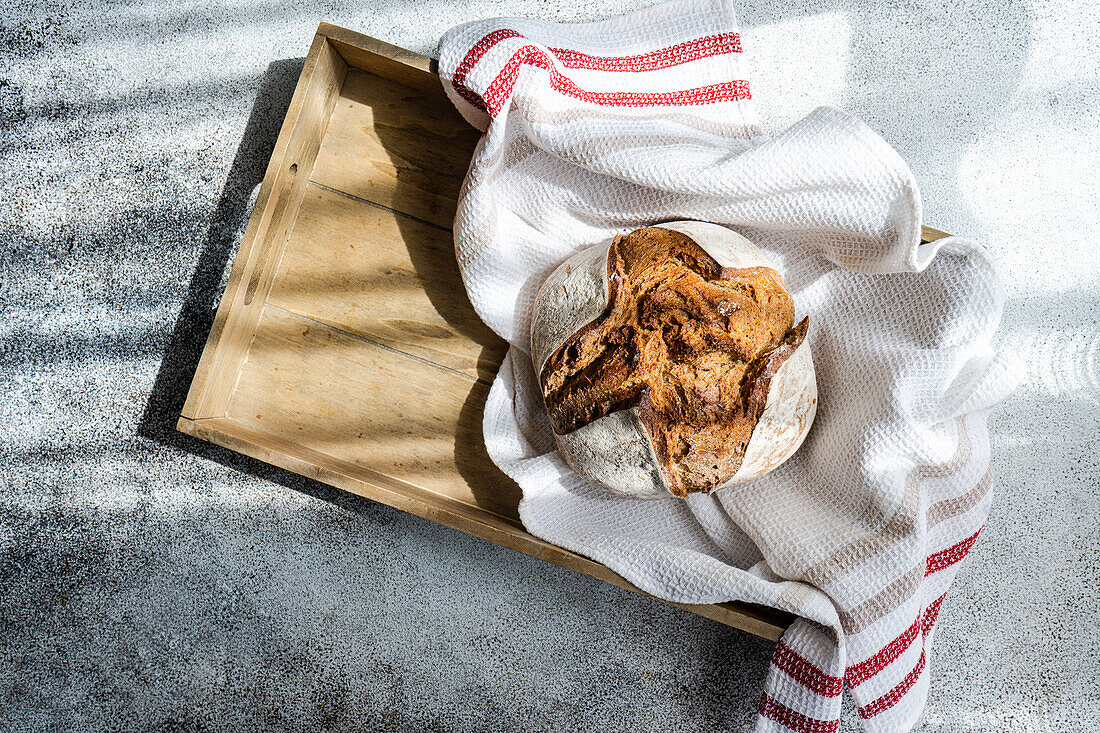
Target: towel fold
x=598, y=128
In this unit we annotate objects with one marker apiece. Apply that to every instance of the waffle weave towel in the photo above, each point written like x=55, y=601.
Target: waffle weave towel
x=593, y=129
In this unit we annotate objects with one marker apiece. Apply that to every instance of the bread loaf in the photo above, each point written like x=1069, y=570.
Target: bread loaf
x=670, y=362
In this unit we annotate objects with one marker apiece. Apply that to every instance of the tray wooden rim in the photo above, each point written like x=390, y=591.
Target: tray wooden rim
x=334, y=50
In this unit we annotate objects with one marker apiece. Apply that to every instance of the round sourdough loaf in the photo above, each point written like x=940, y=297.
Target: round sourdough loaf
x=670, y=362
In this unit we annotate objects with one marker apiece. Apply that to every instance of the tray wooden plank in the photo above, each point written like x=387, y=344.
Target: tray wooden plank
x=334, y=393
x=274, y=213
x=344, y=347
x=398, y=147
x=347, y=265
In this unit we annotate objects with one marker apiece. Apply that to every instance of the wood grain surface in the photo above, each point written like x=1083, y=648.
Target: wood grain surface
x=273, y=216
x=398, y=147
x=386, y=277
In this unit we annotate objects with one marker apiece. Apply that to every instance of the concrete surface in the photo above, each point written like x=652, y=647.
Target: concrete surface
x=151, y=582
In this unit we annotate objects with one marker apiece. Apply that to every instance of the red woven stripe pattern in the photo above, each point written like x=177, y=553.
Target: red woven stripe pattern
x=470, y=60
x=860, y=673
x=950, y=556
x=663, y=58
x=927, y=621
x=805, y=672
x=794, y=720
x=501, y=87
x=809, y=676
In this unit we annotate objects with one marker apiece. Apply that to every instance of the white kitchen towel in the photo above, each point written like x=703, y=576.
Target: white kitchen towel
x=598, y=128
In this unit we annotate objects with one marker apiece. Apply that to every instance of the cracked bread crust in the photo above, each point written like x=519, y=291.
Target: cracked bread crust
x=692, y=348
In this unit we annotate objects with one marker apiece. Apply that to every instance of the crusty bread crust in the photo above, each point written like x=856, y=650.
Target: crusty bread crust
x=670, y=362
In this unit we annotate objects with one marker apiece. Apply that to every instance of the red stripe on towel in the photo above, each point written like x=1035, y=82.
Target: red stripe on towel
x=950, y=556
x=891, y=698
x=470, y=60
x=865, y=670
x=859, y=673
x=681, y=53
x=805, y=672
x=813, y=678
x=502, y=85
x=796, y=721
x=928, y=620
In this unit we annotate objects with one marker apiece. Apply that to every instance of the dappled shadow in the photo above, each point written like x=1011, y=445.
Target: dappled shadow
x=491, y=488
x=415, y=153
x=735, y=661
x=196, y=315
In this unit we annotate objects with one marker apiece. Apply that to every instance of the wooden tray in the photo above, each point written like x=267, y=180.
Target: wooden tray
x=344, y=348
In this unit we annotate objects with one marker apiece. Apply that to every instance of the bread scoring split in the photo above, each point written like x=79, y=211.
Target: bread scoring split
x=691, y=344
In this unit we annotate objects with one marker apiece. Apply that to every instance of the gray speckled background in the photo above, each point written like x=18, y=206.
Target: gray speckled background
x=149, y=581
